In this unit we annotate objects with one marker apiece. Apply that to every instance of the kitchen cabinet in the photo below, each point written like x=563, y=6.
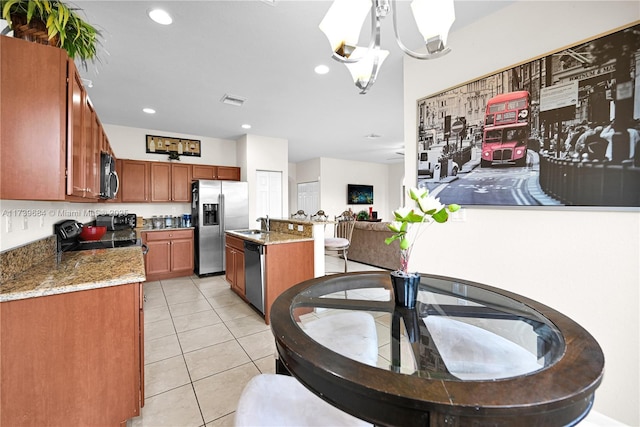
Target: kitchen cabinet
x=84, y=135
x=47, y=126
x=286, y=265
x=73, y=359
x=229, y=173
x=134, y=181
x=204, y=172
x=170, y=253
x=33, y=115
x=170, y=182
x=234, y=264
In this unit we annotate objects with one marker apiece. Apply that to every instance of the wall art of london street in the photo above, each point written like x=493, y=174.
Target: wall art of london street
x=560, y=130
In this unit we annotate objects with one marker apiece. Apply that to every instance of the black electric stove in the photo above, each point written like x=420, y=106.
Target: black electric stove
x=68, y=233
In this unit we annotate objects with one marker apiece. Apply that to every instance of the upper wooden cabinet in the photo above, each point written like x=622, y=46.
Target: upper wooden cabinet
x=84, y=140
x=143, y=181
x=170, y=182
x=134, y=181
x=230, y=173
x=33, y=114
x=50, y=134
x=204, y=172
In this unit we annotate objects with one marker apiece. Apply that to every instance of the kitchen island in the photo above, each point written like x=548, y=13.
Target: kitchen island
x=71, y=339
x=288, y=259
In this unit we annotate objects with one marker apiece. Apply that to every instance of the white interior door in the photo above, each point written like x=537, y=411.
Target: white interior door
x=309, y=197
x=269, y=194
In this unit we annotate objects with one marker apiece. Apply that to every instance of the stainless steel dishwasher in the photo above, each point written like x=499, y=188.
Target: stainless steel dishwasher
x=254, y=274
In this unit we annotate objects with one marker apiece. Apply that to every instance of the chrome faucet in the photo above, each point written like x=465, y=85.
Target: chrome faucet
x=264, y=223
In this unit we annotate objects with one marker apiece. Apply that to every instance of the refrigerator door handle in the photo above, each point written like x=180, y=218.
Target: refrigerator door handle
x=221, y=218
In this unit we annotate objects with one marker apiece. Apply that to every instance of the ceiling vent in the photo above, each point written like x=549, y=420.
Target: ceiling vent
x=233, y=100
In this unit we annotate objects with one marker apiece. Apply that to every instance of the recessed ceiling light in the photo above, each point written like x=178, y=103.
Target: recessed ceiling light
x=149, y=110
x=321, y=69
x=160, y=16
x=246, y=126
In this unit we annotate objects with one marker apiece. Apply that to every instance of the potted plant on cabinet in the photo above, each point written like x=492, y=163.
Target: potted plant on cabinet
x=54, y=23
x=407, y=225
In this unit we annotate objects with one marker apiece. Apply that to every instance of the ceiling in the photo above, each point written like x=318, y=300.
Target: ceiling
x=258, y=50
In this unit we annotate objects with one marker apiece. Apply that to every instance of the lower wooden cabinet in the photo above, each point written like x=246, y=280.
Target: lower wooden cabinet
x=73, y=359
x=234, y=260
x=170, y=253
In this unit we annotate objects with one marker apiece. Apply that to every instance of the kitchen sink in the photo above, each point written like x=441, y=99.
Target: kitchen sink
x=251, y=232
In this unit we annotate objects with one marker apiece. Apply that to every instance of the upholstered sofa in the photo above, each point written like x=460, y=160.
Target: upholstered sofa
x=368, y=246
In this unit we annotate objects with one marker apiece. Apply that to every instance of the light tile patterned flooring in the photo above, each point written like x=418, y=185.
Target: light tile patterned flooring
x=202, y=345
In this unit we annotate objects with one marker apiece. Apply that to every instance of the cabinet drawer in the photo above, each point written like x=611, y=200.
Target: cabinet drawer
x=168, y=235
x=235, y=243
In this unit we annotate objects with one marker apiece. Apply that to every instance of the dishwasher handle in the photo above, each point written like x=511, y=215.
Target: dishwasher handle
x=253, y=247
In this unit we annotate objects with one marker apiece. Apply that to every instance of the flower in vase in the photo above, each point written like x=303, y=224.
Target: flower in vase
x=428, y=210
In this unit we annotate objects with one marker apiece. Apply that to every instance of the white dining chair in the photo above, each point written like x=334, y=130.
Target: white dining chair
x=281, y=400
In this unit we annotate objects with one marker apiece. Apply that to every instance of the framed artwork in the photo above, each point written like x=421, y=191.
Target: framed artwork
x=174, y=147
x=558, y=130
x=359, y=194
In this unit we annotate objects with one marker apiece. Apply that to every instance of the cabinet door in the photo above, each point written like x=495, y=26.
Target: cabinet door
x=33, y=132
x=230, y=268
x=134, y=181
x=76, y=155
x=80, y=367
x=204, y=172
x=239, y=266
x=180, y=182
x=93, y=136
x=158, y=258
x=182, y=255
x=229, y=173
x=160, y=182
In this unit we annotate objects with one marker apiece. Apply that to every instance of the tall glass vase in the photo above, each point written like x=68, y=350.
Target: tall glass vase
x=405, y=288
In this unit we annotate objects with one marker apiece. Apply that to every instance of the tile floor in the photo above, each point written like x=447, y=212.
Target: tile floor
x=202, y=345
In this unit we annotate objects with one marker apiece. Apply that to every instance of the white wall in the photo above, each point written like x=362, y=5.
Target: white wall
x=336, y=174
x=267, y=154
x=584, y=263
x=129, y=143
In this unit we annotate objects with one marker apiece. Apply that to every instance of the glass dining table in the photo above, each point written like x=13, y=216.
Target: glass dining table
x=468, y=354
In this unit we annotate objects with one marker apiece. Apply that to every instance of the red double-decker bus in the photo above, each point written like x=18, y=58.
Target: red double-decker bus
x=506, y=129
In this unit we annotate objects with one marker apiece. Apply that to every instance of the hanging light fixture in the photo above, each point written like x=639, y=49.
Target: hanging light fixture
x=344, y=19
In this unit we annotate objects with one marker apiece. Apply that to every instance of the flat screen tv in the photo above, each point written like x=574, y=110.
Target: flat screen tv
x=359, y=194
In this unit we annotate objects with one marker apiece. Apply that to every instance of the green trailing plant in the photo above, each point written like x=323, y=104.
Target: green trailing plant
x=428, y=210
x=77, y=37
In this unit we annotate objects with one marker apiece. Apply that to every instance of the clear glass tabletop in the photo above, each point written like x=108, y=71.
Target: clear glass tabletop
x=457, y=332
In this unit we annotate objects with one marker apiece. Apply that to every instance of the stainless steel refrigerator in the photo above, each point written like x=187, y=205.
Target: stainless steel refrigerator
x=216, y=206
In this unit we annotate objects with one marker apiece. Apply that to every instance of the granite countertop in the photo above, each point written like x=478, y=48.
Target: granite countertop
x=77, y=271
x=270, y=237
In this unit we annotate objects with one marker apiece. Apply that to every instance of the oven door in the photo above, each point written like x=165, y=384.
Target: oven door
x=109, y=181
